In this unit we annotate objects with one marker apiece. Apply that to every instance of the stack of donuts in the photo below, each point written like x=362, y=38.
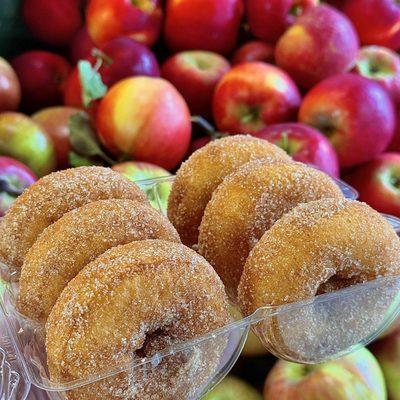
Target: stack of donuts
x=113, y=284
x=276, y=231
x=108, y=276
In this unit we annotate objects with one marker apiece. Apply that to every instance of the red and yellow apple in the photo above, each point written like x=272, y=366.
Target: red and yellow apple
x=378, y=183
x=377, y=21
x=42, y=76
x=26, y=141
x=304, y=144
x=15, y=177
x=255, y=50
x=383, y=66
x=321, y=43
x=145, y=119
x=138, y=171
x=55, y=121
x=232, y=388
x=356, y=114
x=10, y=89
x=138, y=19
x=195, y=74
x=269, y=19
x=211, y=25
x=387, y=351
x=53, y=22
x=253, y=95
x=354, y=377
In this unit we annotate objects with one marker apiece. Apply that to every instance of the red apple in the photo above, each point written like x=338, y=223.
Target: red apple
x=203, y=24
x=55, y=121
x=253, y=95
x=53, y=22
x=232, y=388
x=355, y=113
x=304, y=144
x=321, y=43
x=378, y=183
x=119, y=58
x=10, y=89
x=395, y=143
x=382, y=65
x=81, y=46
x=138, y=19
x=377, y=21
x=195, y=74
x=138, y=171
x=339, y=4
x=146, y=119
x=254, y=51
x=42, y=75
x=269, y=19
x=354, y=377
x=14, y=178
x=23, y=139
x=387, y=351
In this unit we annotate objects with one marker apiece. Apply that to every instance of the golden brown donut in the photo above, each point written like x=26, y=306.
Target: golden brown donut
x=200, y=175
x=247, y=204
x=49, y=199
x=325, y=241
x=131, y=302
x=76, y=239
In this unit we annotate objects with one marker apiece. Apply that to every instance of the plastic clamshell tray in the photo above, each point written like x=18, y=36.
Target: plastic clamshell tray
x=311, y=331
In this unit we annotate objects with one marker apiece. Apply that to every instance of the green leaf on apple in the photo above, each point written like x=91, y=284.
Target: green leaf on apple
x=93, y=87
x=84, y=141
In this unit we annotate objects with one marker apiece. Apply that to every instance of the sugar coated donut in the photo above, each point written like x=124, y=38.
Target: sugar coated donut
x=200, y=175
x=131, y=302
x=316, y=247
x=49, y=199
x=76, y=239
x=248, y=203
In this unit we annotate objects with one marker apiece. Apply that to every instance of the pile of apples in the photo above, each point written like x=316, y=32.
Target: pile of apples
x=144, y=80
x=141, y=84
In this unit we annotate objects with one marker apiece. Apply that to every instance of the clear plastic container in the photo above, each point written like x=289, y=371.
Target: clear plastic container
x=312, y=331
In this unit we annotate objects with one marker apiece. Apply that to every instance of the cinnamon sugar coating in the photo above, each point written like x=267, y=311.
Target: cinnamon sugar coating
x=318, y=247
x=200, y=175
x=131, y=302
x=49, y=199
x=76, y=239
x=248, y=203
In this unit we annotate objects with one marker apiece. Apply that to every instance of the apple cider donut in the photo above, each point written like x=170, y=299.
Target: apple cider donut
x=49, y=199
x=200, y=175
x=76, y=239
x=325, y=241
x=128, y=304
x=247, y=203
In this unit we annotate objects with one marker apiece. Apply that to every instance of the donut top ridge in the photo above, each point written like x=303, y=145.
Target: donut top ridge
x=318, y=247
x=50, y=197
x=76, y=239
x=205, y=169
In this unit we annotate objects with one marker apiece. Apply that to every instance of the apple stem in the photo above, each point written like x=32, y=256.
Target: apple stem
x=101, y=58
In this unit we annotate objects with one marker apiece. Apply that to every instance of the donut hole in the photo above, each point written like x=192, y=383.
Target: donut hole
x=337, y=282
x=154, y=341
